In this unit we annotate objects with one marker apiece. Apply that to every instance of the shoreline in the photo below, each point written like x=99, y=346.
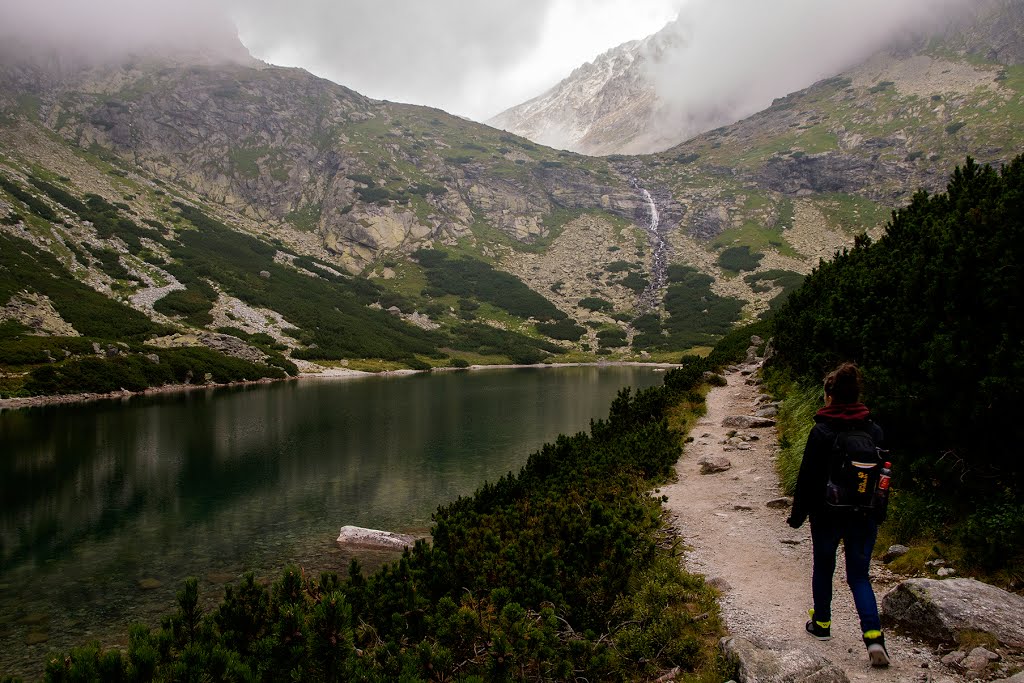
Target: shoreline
x=327, y=373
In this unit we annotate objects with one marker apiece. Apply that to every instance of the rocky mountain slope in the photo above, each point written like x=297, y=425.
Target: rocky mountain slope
x=603, y=107
x=278, y=218
x=630, y=101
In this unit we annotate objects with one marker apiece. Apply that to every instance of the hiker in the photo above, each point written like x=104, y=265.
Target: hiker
x=842, y=421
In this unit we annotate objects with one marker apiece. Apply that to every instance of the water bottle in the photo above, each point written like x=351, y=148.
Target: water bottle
x=881, y=497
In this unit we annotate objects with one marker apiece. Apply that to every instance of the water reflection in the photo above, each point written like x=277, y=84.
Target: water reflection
x=106, y=507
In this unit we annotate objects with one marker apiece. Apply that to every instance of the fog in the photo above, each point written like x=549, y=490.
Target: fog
x=736, y=56
x=111, y=29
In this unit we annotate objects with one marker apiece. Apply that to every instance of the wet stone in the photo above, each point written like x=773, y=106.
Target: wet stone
x=37, y=637
x=150, y=584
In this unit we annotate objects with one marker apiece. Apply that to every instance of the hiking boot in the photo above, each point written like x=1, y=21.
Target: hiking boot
x=875, y=642
x=822, y=630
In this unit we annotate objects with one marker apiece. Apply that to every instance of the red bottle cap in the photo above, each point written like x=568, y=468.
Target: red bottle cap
x=888, y=464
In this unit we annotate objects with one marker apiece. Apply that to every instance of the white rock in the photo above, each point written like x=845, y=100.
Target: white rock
x=358, y=537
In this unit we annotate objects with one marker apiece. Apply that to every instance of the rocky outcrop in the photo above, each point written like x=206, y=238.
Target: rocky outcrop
x=942, y=610
x=762, y=665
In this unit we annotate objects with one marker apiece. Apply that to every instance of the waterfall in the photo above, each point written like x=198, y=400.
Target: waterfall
x=651, y=296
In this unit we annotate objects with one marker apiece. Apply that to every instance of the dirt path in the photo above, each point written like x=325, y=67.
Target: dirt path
x=764, y=566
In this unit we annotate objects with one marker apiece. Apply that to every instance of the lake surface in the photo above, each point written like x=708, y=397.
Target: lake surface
x=106, y=507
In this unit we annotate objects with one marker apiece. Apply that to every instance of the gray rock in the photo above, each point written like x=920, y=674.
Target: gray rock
x=747, y=422
x=757, y=665
x=946, y=571
x=719, y=584
x=954, y=658
x=767, y=412
x=779, y=503
x=978, y=660
x=756, y=340
x=713, y=465
x=1015, y=678
x=265, y=274
x=940, y=610
x=893, y=552
x=358, y=537
x=744, y=446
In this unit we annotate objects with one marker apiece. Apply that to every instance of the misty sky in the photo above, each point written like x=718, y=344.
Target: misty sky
x=478, y=57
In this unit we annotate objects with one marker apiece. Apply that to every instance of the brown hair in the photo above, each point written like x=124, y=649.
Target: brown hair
x=844, y=383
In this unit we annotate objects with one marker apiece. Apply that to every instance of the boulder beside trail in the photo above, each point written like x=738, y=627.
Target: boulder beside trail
x=358, y=537
x=747, y=422
x=941, y=610
x=759, y=665
x=714, y=465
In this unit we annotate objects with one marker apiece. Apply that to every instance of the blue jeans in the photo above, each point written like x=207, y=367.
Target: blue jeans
x=858, y=535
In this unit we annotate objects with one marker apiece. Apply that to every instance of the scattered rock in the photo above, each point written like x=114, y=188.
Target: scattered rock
x=954, y=658
x=946, y=571
x=747, y=422
x=36, y=637
x=940, y=610
x=742, y=508
x=714, y=465
x=1015, y=678
x=779, y=503
x=150, y=584
x=358, y=537
x=978, y=660
x=757, y=665
x=744, y=446
x=893, y=552
x=719, y=584
x=265, y=274
x=770, y=411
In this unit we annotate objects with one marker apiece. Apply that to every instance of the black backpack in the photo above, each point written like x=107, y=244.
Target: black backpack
x=854, y=470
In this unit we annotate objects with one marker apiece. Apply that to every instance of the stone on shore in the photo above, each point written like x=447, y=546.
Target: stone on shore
x=941, y=610
x=759, y=665
x=747, y=422
x=358, y=537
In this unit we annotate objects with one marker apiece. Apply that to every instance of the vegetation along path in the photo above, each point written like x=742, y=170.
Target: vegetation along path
x=761, y=566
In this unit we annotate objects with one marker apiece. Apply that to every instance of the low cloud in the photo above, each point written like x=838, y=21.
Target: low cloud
x=735, y=56
x=109, y=29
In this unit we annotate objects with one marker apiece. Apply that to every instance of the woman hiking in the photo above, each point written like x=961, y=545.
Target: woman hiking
x=843, y=424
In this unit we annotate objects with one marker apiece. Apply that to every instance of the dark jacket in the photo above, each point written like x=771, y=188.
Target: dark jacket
x=813, y=478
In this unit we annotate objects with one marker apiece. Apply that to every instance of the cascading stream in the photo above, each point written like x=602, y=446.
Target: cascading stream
x=651, y=296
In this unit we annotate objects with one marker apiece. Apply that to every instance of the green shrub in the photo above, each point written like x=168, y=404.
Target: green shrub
x=737, y=259
x=467, y=277
x=563, y=329
x=595, y=304
x=924, y=312
x=610, y=339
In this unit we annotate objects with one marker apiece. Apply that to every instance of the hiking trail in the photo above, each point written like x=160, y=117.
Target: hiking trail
x=761, y=566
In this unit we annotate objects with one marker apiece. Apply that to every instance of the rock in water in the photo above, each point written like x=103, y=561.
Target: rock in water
x=358, y=537
x=935, y=609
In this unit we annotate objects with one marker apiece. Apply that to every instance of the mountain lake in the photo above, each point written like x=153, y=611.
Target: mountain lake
x=108, y=506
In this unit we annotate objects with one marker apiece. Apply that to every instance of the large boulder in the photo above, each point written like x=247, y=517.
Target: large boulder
x=941, y=610
x=760, y=665
x=358, y=537
x=747, y=422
